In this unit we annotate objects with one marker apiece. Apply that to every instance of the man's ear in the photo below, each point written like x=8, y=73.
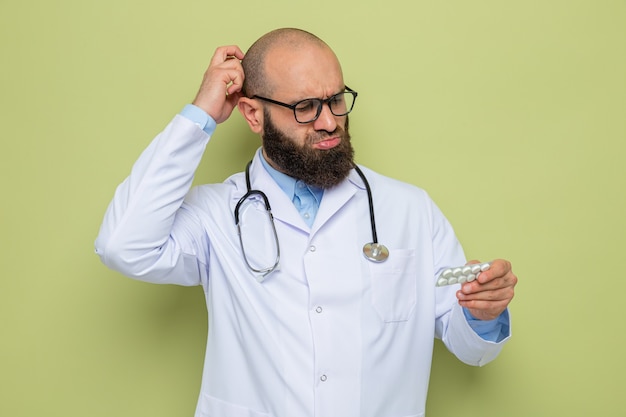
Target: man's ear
x=252, y=111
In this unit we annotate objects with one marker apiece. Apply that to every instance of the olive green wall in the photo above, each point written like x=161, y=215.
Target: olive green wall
x=511, y=114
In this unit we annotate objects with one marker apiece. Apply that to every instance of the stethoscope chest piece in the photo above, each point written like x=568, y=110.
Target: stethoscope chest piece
x=376, y=252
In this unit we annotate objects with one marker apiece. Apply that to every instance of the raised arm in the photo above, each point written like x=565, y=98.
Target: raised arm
x=145, y=234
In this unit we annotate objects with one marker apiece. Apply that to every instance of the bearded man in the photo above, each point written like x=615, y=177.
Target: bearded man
x=304, y=319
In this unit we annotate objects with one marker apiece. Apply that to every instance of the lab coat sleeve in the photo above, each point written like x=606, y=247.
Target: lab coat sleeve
x=145, y=233
x=466, y=344
x=451, y=325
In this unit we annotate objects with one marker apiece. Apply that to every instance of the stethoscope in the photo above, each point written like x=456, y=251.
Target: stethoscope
x=373, y=251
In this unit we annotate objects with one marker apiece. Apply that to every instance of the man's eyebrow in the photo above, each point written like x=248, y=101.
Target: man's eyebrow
x=342, y=90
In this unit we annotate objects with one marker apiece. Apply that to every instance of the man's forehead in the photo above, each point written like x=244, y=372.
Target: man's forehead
x=286, y=60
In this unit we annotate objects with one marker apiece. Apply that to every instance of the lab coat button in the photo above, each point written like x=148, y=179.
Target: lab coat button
x=323, y=378
x=318, y=309
x=312, y=248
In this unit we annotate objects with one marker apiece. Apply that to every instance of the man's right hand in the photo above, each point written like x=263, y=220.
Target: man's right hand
x=221, y=87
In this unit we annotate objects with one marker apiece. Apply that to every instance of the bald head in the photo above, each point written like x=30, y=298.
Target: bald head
x=257, y=80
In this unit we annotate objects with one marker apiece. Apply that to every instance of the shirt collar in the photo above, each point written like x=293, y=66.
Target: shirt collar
x=287, y=183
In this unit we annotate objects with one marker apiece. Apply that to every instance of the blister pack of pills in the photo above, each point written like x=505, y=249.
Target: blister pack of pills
x=461, y=274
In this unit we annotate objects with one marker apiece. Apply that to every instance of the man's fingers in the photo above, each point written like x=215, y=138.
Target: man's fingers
x=491, y=284
x=236, y=82
x=498, y=268
x=225, y=53
x=485, y=310
x=497, y=294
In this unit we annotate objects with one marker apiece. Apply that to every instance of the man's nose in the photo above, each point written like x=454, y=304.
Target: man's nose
x=326, y=121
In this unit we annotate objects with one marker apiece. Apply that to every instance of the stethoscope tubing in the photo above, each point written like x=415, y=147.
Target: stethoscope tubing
x=373, y=251
x=370, y=202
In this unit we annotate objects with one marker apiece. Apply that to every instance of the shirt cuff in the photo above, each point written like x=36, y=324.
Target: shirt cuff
x=199, y=117
x=490, y=330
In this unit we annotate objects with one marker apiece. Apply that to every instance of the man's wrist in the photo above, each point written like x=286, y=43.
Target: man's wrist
x=199, y=117
x=491, y=330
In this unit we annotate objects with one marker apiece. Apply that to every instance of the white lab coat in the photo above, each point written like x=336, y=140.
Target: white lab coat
x=329, y=334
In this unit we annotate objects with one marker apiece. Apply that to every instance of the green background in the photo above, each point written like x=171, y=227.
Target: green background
x=510, y=114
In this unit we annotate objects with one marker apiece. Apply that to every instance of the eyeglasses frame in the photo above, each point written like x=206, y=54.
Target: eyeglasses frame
x=319, y=108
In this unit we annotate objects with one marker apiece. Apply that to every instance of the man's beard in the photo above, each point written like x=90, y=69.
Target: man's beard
x=320, y=168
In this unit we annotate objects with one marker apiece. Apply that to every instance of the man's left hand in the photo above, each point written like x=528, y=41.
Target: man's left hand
x=490, y=294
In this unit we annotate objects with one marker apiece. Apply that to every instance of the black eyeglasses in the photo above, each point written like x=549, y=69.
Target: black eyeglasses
x=309, y=109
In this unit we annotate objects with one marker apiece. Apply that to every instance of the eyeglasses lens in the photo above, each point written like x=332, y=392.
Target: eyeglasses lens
x=308, y=110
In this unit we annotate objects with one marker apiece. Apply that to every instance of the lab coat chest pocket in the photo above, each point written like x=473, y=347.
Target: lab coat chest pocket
x=394, y=285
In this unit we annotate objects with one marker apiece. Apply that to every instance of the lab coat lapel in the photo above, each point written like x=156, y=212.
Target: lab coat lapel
x=335, y=198
x=283, y=208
